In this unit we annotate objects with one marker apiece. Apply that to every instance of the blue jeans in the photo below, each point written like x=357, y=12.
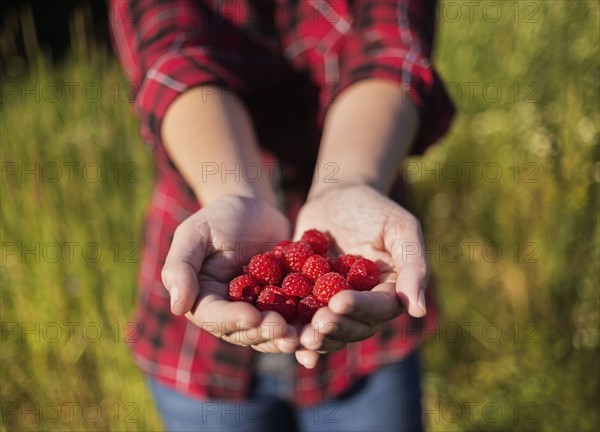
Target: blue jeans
x=387, y=400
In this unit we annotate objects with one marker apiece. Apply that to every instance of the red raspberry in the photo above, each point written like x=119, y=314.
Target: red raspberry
x=317, y=240
x=297, y=285
x=278, y=248
x=265, y=268
x=269, y=254
x=279, y=259
x=315, y=266
x=273, y=298
x=244, y=288
x=295, y=254
x=307, y=307
x=363, y=275
x=343, y=264
x=329, y=285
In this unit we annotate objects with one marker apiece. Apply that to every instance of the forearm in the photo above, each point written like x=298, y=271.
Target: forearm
x=203, y=129
x=367, y=133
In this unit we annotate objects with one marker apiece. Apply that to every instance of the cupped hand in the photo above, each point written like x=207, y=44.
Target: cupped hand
x=208, y=250
x=365, y=222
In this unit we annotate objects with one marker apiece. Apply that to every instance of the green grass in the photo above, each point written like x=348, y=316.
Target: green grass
x=84, y=213
x=518, y=345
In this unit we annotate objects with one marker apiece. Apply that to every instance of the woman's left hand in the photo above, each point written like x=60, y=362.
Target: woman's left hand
x=365, y=222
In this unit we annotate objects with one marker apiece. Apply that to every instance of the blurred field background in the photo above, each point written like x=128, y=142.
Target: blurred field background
x=508, y=200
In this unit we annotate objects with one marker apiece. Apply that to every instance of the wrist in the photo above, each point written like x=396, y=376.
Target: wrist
x=215, y=189
x=319, y=191
x=344, y=173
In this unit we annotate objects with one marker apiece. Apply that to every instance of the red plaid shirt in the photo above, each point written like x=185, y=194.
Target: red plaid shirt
x=287, y=60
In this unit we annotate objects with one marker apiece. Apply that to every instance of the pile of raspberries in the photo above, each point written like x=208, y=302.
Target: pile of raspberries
x=296, y=279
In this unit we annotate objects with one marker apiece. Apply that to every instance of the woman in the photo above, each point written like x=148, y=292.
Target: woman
x=267, y=119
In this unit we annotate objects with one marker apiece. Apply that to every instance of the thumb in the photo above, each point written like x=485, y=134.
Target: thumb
x=410, y=288
x=182, y=265
x=412, y=269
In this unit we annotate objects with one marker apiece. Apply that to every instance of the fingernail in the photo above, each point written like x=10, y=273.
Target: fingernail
x=305, y=362
x=309, y=339
x=421, y=300
x=175, y=296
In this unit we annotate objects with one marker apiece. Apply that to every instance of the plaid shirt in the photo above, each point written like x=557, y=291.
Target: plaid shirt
x=287, y=60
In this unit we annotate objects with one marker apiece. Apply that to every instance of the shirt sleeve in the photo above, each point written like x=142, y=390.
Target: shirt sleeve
x=393, y=40
x=168, y=47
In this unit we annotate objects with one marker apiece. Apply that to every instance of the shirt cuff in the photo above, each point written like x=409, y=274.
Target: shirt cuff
x=410, y=69
x=174, y=73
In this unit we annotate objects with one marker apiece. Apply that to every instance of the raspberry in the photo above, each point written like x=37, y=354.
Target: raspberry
x=297, y=285
x=244, y=288
x=278, y=259
x=278, y=248
x=363, y=274
x=273, y=298
x=269, y=254
x=265, y=268
x=296, y=279
x=343, y=264
x=329, y=285
x=295, y=254
x=307, y=307
x=315, y=266
x=317, y=240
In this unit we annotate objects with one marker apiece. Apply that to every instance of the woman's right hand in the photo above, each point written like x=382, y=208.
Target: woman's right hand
x=208, y=250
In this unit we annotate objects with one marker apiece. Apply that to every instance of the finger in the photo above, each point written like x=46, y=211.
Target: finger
x=222, y=317
x=314, y=340
x=218, y=316
x=410, y=286
x=266, y=347
x=276, y=334
x=405, y=243
x=370, y=307
x=182, y=265
x=270, y=334
x=225, y=318
x=307, y=358
x=286, y=344
x=332, y=327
